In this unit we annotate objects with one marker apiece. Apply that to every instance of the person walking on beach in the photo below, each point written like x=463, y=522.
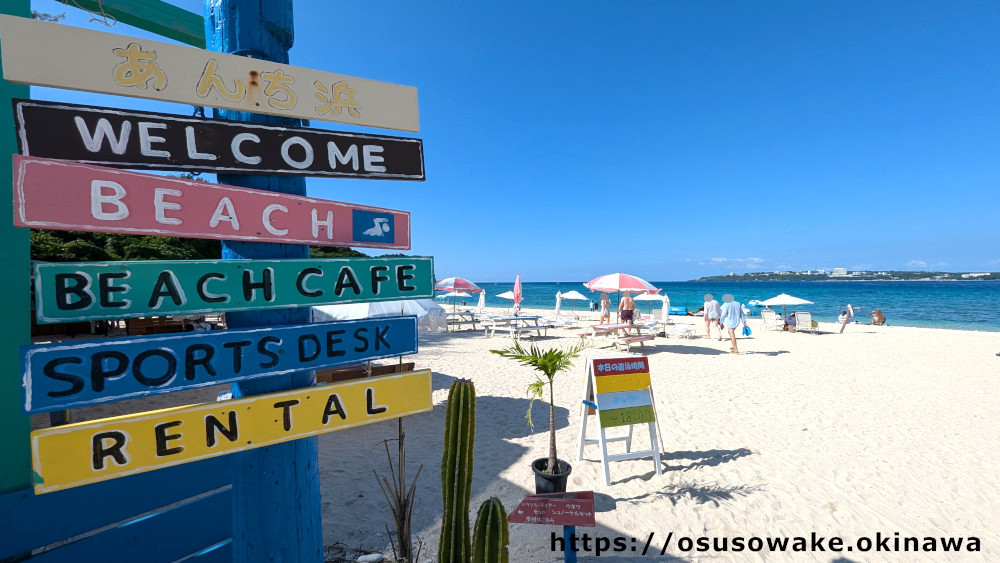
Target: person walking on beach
x=731, y=317
x=605, y=309
x=712, y=314
x=626, y=307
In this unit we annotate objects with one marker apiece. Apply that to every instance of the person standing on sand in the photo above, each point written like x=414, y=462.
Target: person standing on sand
x=712, y=314
x=626, y=308
x=605, y=309
x=731, y=317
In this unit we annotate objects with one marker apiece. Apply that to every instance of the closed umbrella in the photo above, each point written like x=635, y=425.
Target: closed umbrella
x=558, y=303
x=784, y=300
x=517, y=294
x=481, y=306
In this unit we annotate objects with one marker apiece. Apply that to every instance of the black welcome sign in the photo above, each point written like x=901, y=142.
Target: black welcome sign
x=155, y=141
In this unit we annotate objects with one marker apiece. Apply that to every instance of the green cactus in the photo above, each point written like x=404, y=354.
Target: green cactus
x=489, y=544
x=456, y=472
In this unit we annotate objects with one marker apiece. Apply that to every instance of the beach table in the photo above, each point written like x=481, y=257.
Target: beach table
x=618, y=334
x=517, y=325
x=461, y=318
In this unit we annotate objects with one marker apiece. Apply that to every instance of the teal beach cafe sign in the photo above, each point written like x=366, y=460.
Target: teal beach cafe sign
x=105, y=290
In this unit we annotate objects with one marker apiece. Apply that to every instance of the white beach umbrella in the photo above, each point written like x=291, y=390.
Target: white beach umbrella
x=455, y=295
x=506, y=295
x=648, y=297
x=574, y=296
x=558, y=303
x=784, y=300
x=481, y=306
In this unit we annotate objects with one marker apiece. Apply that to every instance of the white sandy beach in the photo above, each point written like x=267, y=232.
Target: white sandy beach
x=877, y=430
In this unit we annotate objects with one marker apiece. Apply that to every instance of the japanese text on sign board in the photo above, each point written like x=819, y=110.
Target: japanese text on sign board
x=62, y=56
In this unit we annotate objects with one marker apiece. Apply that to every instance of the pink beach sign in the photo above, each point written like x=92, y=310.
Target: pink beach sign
x=63, y=195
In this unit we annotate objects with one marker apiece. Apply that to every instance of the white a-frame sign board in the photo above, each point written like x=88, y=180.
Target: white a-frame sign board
x=619, y=390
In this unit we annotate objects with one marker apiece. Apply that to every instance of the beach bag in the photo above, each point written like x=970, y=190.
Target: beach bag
x=746, y=331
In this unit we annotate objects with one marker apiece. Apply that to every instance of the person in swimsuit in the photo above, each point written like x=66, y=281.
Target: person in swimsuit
x=626, y=308
x=605, y=309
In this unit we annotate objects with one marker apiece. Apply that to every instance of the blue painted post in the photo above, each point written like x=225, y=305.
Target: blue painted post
x=569, y=554
x=276, y=499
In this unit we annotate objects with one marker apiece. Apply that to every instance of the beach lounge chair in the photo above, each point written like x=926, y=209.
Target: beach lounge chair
x=803, y=322
x=682, y=330
x=770, y=319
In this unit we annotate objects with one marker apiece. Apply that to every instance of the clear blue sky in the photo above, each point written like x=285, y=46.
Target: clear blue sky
x=671, y=139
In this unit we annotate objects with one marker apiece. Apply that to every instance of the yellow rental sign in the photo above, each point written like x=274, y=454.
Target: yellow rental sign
x=79, y=454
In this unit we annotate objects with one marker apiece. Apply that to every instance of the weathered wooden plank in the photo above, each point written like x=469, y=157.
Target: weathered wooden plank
x=622, y=417
x=106, y=290
x=74, y=374
x=89, y=452
x=60, y=56
x=219, y=553
x=68, y=196
x=155, y=16
x=31, y=521
x=161, y=537
x=124, y=139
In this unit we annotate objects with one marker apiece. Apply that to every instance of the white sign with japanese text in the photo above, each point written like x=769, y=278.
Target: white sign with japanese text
x=61, y=56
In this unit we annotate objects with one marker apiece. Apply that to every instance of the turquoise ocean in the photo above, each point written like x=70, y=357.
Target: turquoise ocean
x=956, y=305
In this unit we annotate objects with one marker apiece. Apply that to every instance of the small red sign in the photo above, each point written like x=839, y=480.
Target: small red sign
x=557, y=509
x=620, y=366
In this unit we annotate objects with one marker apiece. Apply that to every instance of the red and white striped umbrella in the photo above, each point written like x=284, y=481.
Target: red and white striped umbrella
x=457, y=284
x=621, y=282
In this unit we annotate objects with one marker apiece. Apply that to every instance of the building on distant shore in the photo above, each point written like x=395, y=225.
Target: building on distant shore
x=976, y=275
x=839, y=273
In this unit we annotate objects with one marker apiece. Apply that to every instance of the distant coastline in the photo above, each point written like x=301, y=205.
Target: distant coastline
x=890, y=275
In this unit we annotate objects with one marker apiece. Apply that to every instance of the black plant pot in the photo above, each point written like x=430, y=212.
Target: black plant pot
x=550, y=482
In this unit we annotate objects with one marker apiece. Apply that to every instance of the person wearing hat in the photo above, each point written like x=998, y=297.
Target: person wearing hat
x=731, y=317
x=712, y=314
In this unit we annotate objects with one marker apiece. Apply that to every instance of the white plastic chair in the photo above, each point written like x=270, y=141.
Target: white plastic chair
x=804, y=321
x=770, y=319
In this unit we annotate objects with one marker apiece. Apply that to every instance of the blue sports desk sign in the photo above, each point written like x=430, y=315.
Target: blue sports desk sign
x=69, y=375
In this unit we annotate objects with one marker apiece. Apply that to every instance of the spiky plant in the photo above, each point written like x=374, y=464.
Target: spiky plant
x=548, y=363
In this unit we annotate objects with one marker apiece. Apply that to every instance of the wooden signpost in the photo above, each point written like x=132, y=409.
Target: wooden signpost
x=619, y=389
x=61, y=195
x=275, y=509
x=104, y=290
x=155, y=141
x=89, y=452
x=60, y=56
x=75, y=374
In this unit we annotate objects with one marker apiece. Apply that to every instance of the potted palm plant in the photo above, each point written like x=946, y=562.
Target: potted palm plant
x=551, y=473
